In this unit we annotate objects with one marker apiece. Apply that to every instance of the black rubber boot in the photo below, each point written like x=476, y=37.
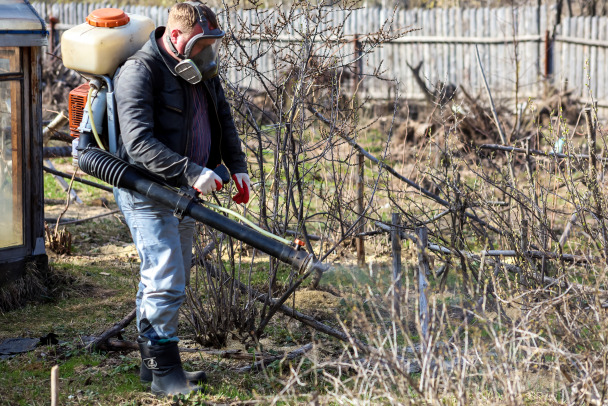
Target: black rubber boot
x=168, y=376
x=145, y=374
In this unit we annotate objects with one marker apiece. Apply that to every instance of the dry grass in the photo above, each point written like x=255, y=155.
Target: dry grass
x=521, y=328
x=29, y=286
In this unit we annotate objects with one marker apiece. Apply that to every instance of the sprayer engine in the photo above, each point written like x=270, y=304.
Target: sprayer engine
x=92, y=116
x=77, y=100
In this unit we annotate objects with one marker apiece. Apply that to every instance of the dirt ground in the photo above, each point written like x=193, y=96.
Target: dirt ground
x=99, y=280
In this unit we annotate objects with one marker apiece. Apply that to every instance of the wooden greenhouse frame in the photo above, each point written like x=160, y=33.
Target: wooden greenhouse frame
x=22, y=35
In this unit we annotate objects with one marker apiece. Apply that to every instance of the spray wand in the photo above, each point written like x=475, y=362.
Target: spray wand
x=111, y=169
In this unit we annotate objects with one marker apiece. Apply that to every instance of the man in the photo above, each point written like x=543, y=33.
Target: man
x=176, y=124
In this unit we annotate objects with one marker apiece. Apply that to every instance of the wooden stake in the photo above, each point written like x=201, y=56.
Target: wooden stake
x=423, y=269
x=396, y=248
x=591, y=140
x=358, y=64
x=360, y=185
x=55, y=386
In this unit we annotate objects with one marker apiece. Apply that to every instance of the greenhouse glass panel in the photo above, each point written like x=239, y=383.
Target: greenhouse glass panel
x=11, y=152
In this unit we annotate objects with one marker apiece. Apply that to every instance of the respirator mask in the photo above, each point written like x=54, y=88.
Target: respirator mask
x=200, y=57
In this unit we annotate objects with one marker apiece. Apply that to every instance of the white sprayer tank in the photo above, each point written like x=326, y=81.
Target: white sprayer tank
x=105, y=41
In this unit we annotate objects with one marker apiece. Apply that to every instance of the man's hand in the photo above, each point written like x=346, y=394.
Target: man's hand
x=207, y=182
x=243, y=185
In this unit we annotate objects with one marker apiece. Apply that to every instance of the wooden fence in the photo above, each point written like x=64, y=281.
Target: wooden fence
x=519, y=47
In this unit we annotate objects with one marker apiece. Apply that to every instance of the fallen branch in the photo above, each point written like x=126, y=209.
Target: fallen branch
x=52, y=220
x=228, y=354
x=428, y=95
x=103, y=340
x=114, y=344
x=259, y=365
x=111, y=344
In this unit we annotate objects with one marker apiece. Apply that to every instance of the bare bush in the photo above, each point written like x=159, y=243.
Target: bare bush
x=303, y=172
x=513, y=204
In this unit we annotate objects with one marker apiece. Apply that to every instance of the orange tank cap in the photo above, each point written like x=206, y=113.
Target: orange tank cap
x=107, y=17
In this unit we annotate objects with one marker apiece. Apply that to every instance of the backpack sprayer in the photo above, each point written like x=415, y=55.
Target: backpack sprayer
x=96, y=49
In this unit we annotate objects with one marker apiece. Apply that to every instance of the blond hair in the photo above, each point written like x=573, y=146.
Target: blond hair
x=184, y=17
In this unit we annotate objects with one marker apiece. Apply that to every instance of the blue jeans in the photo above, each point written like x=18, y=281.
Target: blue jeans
x=164, y=245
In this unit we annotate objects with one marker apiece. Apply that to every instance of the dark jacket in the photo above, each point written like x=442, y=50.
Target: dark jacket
x=155, y=116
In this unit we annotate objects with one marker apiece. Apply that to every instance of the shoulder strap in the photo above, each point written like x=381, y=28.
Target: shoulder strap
x=157, y=80
x=157, y=76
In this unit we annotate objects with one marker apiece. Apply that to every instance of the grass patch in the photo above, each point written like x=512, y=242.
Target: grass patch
x=84, y=379
x=52, y=189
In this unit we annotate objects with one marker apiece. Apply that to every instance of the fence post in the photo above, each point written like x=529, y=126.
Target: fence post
x=524, y=245
x=358, y=62
x=396, y=248
x=52, y=33
x=548, y=54
x=360, y=185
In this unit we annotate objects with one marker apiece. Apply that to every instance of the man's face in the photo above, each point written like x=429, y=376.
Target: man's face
x=180, y=40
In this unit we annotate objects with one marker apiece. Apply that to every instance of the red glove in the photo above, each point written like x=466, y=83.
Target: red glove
x=242, y=185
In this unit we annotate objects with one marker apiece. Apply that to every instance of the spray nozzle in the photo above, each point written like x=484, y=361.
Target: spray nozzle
x=298, y=244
